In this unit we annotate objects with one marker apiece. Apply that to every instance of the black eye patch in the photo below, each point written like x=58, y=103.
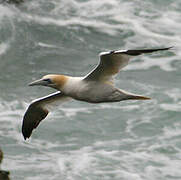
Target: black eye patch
x=48, y=80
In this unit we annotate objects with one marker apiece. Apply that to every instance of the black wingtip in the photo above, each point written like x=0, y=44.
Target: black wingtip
x=33, y=116
x=27, y=128
x=24, y=136
x=25, y=133
x=142, y=51
x=167, y=48
x=171, y=47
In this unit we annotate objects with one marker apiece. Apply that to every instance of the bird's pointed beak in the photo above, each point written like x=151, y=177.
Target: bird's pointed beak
x=39, y=82
x=139, y=97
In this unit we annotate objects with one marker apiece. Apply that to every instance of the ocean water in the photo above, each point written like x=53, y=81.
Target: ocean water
x=131, y=140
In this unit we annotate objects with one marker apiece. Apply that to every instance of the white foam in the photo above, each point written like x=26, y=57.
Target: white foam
x=76, y=162
x=6, y=20
x=3, y=48
x=163, y=63
x=74, y=111
x=171, y=132
x=174, y=94
x=46, y=45
x=72, y=22
x=171, y=107
x=5, y=12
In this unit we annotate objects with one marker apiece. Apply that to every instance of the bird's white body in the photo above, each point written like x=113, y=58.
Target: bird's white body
x=73, y=86
x=92, y=91
x=89, y=91
x=96, y=87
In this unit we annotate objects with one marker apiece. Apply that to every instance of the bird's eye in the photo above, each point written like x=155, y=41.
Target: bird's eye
x=48, y=80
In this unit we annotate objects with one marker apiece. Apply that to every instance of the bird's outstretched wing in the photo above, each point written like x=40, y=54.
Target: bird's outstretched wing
x=38, y=110
x=111, y=63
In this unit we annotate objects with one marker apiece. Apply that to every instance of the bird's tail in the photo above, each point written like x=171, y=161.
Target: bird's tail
x=124, y=95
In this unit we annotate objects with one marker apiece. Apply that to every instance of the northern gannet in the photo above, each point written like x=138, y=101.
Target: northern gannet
x=96, y=87
x=4, y=175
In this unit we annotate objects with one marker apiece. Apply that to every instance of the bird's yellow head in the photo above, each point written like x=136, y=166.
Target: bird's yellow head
x=52, y=80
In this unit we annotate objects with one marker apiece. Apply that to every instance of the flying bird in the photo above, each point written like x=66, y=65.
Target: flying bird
x=96, y=87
